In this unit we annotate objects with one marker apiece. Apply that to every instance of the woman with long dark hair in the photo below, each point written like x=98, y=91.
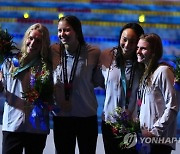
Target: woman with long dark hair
x=74, y=70
x=121, y=75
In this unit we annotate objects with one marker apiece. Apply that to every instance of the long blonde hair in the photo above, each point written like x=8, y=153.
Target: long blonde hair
x=45, y=41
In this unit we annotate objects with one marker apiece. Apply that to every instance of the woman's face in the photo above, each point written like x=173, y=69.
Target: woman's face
x=34, y=42
x=66, y=33
x=144, y=53
x=128, y=43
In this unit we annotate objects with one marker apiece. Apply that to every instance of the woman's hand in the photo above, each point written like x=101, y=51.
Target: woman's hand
x=1, y=75
x=146, y=133
x=1, y=83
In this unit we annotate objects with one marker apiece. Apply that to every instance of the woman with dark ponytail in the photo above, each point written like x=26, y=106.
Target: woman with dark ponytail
x=120, y=64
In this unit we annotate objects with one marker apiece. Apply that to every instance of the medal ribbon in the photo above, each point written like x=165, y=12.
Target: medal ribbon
x=68, y=84
x=127, y=91
x=21, y=69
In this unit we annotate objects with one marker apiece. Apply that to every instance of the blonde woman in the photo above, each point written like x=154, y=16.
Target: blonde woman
x=25, y=119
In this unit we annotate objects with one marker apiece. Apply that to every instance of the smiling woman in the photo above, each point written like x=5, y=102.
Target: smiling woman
x=27, y=117
x=75, y=75
x=121, y=74
x=159, y=107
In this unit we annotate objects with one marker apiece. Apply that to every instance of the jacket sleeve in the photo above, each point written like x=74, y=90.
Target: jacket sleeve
x=166, y=84
x=98, y=79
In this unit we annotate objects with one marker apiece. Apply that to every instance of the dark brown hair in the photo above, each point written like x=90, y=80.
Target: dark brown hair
x=138, y=30
x=75, y=23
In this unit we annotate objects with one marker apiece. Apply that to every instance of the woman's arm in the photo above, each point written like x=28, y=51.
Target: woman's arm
x=1, y=83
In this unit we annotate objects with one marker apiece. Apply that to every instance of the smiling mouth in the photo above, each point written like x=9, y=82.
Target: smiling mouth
x=31, y=48
x=63, y=38
x=141, y=57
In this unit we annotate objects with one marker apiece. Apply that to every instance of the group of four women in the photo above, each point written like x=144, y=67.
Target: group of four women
x=127, y=72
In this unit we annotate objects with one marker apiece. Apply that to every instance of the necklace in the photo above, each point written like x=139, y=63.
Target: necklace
x=129, y=87
x=123, y=80
x=68, y=84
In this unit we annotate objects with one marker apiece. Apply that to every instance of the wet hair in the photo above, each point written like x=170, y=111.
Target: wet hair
x=75, y=23
x=156, y=47
x=45, y=41
x=138, y=30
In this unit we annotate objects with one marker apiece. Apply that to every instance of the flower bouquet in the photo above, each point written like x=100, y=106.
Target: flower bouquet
x=38, y=95
x=7, y=45
x=40, y=86
x=123, y=125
